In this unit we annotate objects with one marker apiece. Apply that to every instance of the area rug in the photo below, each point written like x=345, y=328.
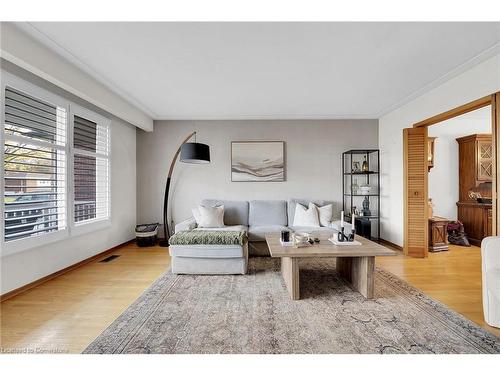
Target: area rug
x=253, y=314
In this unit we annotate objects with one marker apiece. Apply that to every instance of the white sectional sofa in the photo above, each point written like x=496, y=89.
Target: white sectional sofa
x=490, y=256
x=257, y=218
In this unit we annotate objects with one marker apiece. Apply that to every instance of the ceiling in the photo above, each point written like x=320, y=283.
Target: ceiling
x=270, y=70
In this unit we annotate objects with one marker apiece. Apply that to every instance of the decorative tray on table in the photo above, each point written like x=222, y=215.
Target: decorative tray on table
x=335, y=241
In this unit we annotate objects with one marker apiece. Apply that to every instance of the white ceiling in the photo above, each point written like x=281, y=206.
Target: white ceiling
x=270, y=70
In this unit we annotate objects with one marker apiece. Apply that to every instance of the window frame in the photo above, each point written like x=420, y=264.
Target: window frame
x=71, y=230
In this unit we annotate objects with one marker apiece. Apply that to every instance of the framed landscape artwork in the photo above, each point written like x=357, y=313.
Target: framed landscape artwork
x=258, y=161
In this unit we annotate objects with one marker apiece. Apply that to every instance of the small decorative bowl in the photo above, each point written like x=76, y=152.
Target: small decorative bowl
x=301, y=237
x=365, y=189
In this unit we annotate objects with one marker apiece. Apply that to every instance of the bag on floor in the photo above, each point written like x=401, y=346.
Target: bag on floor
x=456, y=234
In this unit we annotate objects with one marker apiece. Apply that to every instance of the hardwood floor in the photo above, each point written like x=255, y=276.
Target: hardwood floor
x=67, y=313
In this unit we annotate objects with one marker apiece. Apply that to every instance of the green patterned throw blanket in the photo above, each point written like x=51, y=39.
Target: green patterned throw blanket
x=207, y=237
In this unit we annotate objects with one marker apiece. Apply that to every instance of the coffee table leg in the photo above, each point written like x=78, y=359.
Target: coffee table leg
x=359, y=271
x=290, y=272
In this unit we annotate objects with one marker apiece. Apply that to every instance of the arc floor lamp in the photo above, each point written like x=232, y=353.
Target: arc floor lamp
x=193, y=153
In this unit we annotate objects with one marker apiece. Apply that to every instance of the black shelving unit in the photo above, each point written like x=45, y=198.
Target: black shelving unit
x=370, y=176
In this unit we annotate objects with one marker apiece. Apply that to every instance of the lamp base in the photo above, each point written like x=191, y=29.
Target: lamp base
x=164, y=243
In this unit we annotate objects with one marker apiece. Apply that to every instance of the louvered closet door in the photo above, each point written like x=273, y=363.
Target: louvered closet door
x=415, y=191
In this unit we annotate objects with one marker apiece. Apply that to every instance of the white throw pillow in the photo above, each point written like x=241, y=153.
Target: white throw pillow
x=325, y=214
x=306, y=217
x=211, y=217
x=197, y=216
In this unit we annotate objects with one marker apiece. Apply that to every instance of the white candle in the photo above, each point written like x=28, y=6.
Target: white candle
x=342, y=219
x=353, y=222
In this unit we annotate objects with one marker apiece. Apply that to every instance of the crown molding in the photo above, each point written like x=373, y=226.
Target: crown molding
x=269, y=117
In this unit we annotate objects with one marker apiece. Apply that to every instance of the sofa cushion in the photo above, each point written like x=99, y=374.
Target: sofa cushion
x=305, y=203
x=188, y=224
x=258, y=232
x=235, y=212
x=267, y=213
x=207, y=251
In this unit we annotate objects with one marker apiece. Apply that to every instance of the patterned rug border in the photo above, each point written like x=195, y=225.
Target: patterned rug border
x=439, y=309
x=476, y=334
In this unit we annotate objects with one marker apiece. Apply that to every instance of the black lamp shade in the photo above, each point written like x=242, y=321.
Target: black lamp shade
x=195, y=153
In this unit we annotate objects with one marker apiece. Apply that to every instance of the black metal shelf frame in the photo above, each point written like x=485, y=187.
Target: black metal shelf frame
x=347, y=161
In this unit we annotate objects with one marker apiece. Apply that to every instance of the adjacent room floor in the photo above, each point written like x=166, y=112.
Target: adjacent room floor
x=69, y=312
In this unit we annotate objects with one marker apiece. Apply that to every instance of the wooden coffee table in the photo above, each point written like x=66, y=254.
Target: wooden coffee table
x=354, y=263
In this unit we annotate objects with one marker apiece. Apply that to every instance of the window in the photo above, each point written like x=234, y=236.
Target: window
x=34, y=166
x=90, y=166
x=55, y=167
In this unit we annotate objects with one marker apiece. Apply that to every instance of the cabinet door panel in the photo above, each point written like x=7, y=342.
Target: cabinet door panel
x=484, y=161
x=489, y=223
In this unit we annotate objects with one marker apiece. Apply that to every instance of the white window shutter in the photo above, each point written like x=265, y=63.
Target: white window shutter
x=34, y=166
x=90, y=167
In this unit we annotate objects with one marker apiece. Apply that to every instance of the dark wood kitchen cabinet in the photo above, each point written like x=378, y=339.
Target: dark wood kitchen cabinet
x=475, y=159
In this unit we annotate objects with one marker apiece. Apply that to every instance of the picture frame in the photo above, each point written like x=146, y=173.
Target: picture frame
x=257, y=161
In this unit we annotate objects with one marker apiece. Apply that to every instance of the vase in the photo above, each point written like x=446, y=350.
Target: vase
x=364, y=166
x=354, y=187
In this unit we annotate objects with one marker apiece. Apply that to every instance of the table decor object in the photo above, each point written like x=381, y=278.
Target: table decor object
x=366, y=207
x=341, y=236
x=301, y=239
x=335, y=241
x=365, y=188
x=354, y=187
x=365, y=167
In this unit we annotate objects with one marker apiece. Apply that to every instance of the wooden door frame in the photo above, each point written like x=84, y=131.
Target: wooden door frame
x=494, y=101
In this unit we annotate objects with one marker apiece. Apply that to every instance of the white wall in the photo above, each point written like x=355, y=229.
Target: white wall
x=313, y=161
x=21, y=49
x=22, y=268
x=483, y=79
x=443, y=177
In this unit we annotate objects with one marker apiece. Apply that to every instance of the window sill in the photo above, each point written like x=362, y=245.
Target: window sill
x=90, y=226
x=32, y=243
